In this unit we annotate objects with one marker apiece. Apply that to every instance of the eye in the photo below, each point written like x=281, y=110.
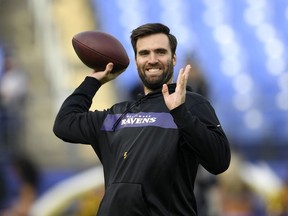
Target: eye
x=143, y=53
x=161, y=51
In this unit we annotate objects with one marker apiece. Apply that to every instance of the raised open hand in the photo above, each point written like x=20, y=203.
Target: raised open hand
x=178, y=97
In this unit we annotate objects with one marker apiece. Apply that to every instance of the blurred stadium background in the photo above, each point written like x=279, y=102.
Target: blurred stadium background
x=240, y=46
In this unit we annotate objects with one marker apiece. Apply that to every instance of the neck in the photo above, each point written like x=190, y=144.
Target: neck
x=147, y=90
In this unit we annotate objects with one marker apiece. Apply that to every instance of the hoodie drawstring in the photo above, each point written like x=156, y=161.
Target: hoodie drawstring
x=139, y=101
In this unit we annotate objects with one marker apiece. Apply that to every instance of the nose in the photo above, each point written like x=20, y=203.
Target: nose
x=152, y=58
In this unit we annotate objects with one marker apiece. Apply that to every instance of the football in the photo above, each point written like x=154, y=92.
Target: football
x=96, y=49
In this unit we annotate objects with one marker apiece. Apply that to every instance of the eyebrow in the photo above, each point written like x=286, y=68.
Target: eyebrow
x=155, y=50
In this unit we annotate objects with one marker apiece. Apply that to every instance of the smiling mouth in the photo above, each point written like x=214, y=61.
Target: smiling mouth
x=154, y=70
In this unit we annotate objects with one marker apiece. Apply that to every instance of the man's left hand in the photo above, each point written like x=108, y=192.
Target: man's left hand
x=178, y=97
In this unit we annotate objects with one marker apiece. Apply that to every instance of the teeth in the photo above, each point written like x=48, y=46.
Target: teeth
x=153, y=69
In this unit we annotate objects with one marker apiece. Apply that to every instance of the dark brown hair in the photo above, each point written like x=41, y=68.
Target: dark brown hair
x=150, y=29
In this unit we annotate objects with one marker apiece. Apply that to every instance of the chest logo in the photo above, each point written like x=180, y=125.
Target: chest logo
x=142, y=119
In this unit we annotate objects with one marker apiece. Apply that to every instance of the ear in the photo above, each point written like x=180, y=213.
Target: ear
x=174, y=59
x=135, y=61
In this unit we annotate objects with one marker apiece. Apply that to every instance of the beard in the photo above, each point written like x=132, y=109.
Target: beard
x=154, y=84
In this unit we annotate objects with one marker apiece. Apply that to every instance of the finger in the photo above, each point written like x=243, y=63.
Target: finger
x=186, y=74
x=179, y=78
x=109, y=67
x=165, y=91
x=187, y=70
x=183, y=76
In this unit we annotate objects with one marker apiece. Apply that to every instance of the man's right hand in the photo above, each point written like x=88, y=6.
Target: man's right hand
x=106, y=75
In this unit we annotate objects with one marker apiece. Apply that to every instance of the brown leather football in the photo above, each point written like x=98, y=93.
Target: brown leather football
x=96, y=49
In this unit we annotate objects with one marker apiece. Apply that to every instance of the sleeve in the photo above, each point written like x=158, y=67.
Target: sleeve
x=201, y=131
x=74, y=122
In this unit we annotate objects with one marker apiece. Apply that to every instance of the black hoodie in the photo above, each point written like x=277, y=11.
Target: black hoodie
x=149, y=154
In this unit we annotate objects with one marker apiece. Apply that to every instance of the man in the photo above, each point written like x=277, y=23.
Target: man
x=149, y=149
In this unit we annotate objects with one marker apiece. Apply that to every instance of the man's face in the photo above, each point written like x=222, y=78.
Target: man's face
x=154, y=61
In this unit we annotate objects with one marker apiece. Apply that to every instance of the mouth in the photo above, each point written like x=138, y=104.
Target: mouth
x=154, y=70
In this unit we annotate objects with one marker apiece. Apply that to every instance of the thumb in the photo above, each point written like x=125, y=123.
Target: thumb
x=165, y=91
x=109, y=67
